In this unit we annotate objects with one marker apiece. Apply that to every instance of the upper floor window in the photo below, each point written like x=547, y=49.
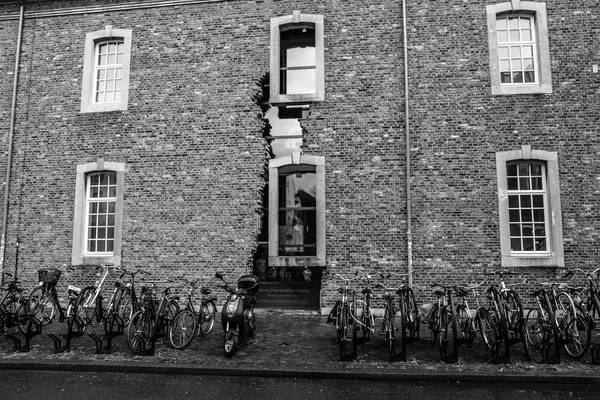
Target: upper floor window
x=518, y=46
x=529, y=208
x=109, y=72
x=516, y=49
x=105, y=85
x=297, y=58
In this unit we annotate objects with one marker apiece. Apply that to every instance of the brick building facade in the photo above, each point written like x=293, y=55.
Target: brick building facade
x=200, y=154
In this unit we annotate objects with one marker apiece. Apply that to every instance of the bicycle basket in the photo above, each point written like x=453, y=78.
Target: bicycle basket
x=49, y=276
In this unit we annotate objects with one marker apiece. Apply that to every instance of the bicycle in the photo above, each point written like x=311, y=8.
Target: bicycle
x=344, y=313
x=13, y=306
x=43, y=301
x=555, y=321
x=89, y=309
x=467, y=325
x=151, y=321
x=410, y=320
x=505, y=318
x=367, y=318
x=443, y=319
x=187, y=321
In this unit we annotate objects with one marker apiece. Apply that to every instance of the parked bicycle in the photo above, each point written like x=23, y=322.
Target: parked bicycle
x=43, y=302
x=188, y=321
x=89, y=308
x=152, y=321
x=407, y=312
x=590, y=308
x=367, y=318
x=555, y=322
x=344, y=316
x=443, y=323
x=13, y=305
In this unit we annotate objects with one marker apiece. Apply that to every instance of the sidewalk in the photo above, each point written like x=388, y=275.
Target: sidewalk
x=292, y=344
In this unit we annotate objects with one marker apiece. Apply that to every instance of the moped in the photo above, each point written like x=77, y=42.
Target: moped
x=237, y=316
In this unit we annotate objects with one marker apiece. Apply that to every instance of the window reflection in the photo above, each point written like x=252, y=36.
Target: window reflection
x=298, y=63
x=297, y=211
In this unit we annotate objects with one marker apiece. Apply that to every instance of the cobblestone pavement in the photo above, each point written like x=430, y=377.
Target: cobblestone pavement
x=297, y=344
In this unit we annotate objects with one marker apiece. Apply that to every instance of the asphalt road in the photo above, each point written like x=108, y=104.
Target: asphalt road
x=17, y=385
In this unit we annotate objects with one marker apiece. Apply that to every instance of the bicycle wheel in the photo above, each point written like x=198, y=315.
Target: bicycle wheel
x=207, y=318
x=124, y=307
x=444, y=334
x=488, y=329
x=84, y=311
x=413, y=321
x=514, y=312
x=42, y=305
x=183, y=328
x=390, y=333
x=343, y=328
x=578, y=337
x=434, y=323
x=403, y=317
x=464, y=322
x=139, y=332
x=22, y=316
x=8, y=314
x=355, y=327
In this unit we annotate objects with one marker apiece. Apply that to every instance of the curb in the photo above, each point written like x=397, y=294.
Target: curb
x=407, y=375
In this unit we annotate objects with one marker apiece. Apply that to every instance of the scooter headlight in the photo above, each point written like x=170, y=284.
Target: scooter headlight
x=231, y=310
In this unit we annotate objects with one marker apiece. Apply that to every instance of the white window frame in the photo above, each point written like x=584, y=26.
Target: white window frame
x=554, y=256
x=275, y=259
x=80, y=255
x=297, y=17
x=88, y=92
x=88, y=201
x=537, y=10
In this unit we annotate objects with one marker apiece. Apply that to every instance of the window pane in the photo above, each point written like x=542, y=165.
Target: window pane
x=297, y=215
x=529, y=77
x=515, y=230
x=538, y=201
x=503, y=52
x=517, y=77
x=538, y=215
x=526, y=216
x=301, y=57
x=301, y=81
x=526, y=35
x=505, y=77
x=513, y=23
x=525, y=201
x=502, y=36
x=515, y=244
x=528, y=244
x=513, y=35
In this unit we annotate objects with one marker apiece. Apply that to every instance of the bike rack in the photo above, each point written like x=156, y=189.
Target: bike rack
x=595, y=349
x=406, y=340
x=99, y=339
x=59, y=347
x=498, y=358
x=23, y=340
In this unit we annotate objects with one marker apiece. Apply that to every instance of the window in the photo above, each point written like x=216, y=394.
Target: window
x=297, y=58
x=105, y=85
x=98, y=213
x=529, y=208
x=518, y=46
x=297, y=210
x=101, y=196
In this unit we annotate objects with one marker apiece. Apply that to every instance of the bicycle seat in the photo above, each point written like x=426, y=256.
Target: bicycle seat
x=388, y=297
x=438, y=290
x=536, y=293
x=460, y=292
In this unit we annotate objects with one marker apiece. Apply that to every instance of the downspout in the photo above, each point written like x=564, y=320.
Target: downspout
x=407, y=132
x=10, y=145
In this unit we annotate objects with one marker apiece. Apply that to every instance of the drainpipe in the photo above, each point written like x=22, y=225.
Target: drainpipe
x=407, y=131
x=10, y=146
